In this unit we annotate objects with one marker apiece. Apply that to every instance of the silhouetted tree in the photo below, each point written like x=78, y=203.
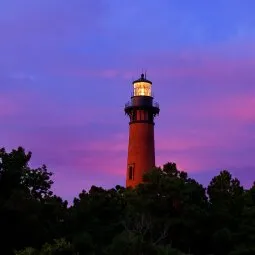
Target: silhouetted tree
x=28, y=215
x=170, y=213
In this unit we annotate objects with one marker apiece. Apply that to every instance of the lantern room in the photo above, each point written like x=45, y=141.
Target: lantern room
x=142, y=87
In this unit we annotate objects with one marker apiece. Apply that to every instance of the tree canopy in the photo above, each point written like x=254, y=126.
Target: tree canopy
x=170, y=213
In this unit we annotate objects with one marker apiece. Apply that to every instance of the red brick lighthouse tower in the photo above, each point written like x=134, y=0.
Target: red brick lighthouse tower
x=141, y=149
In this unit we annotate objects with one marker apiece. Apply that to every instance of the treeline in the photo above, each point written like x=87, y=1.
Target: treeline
x=170, y=214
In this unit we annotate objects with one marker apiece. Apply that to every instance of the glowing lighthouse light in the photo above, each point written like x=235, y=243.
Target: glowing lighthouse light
x=142, y=87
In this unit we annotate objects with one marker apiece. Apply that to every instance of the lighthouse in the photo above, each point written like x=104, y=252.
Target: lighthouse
x=141, y=110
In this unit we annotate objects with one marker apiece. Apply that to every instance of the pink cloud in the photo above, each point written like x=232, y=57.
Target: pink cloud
x=240, y=108
x=211, y=129
x=178, y=148
x=108, y=155
x=7, y=106
x=115, y=143
x=32, y=107
x=83, y=154
x=13, y=103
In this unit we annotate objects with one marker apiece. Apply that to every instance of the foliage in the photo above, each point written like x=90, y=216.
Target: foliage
x=59, y=247
x=170, y=213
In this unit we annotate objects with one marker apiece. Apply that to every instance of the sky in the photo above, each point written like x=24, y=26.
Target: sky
x=66, y=72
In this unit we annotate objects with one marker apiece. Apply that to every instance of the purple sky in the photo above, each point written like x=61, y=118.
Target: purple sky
x=66, y=69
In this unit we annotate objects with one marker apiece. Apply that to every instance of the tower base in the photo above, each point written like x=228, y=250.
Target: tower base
x=141, y=152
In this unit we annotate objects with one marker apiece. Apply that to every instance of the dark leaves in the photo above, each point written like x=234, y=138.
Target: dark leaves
x=170, y=213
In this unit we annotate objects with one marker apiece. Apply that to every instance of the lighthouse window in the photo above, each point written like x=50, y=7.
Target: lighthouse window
x=142, y=89
x=145, y=115
x=131, y=172
x=134, y=116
